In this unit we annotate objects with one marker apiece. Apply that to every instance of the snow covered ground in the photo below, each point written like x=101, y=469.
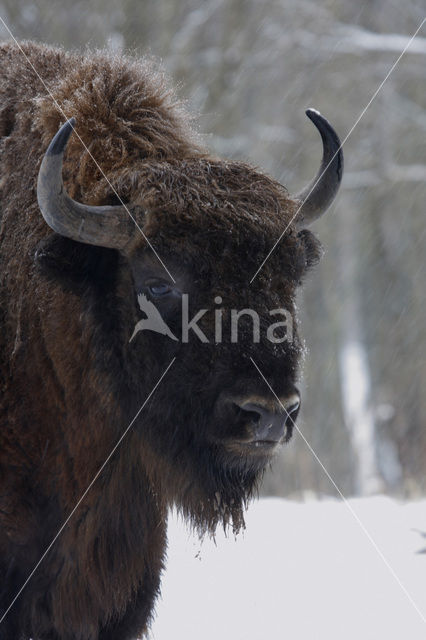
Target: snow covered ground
x=301, y=571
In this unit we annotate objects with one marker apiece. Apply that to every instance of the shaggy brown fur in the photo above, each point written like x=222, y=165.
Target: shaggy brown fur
x=70, y=381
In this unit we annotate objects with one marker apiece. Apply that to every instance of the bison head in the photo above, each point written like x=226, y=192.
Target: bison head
x=186, y=240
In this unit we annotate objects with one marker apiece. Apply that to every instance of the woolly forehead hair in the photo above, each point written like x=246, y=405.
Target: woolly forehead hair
x=208, y=194
x=141, y=137
x=125, y=112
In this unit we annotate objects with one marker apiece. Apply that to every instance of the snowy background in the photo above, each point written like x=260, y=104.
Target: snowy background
x=301, y=571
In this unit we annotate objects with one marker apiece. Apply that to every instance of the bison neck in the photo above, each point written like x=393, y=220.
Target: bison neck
x=112, y=551
x=105, y=566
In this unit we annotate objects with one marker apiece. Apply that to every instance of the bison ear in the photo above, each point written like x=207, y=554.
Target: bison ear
x=63, y=259
x=51, y=252
x=312, y=247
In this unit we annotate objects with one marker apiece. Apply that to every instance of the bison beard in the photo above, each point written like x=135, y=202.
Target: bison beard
x=71, y=382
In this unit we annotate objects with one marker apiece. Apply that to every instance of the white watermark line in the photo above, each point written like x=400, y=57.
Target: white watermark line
x=61, y=111
x=85, y=493
x=341, y=145
x=346, y=502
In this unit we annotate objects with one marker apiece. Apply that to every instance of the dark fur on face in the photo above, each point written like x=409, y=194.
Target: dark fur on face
x=72, y=382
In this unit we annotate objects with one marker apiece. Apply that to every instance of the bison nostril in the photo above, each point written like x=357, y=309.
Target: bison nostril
x=249, y=412
x=264, y=425
x=292, y=408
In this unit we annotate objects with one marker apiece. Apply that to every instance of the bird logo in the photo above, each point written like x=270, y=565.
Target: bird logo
x=153, y=320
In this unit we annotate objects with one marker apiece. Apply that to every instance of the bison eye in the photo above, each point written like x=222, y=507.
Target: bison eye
x=159, y=289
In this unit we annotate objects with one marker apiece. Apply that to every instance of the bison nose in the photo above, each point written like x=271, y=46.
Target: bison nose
x=269, y=424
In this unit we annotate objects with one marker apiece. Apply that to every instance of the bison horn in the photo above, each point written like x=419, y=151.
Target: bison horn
x=107, y=226
x=320, y=193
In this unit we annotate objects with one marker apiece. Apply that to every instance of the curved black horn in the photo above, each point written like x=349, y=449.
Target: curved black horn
x=320, y=193
x=107, y=226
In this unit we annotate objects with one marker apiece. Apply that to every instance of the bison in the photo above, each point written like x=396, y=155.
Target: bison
x=130, y=207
